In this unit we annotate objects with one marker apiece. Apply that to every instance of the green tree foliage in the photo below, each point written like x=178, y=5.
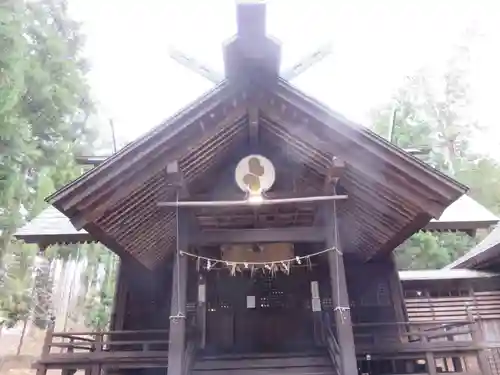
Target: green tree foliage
x=433, y=112
x=45, y=106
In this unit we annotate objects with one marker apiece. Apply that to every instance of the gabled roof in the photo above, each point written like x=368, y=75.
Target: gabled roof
x=486, y=252
x=392, y=194
x=51, y=227
x=464, y=214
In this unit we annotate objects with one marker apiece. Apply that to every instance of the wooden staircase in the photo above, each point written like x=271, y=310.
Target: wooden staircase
x=312, y=363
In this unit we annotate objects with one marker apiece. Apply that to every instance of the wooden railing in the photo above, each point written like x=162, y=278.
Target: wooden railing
x=332, y=345
x=416, y=334
x=485, y=305
x=94, y=351
x=71, y=342
x=431, y=341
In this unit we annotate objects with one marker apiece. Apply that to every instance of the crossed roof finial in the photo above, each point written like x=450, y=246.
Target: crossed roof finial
x=251, y=50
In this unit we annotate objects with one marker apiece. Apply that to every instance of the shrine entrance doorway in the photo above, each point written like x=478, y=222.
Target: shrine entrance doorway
x=259, y=313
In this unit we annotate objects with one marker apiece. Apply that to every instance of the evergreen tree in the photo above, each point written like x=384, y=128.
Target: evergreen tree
x=437, y=117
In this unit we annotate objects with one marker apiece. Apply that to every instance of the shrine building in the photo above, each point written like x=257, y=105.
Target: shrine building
x=256, y=231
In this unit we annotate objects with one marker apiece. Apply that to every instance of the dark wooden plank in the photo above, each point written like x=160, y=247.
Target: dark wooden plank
x=402, y=348
x=231, y=236
x=104, y=357
x=271, y=371
x=282, y=362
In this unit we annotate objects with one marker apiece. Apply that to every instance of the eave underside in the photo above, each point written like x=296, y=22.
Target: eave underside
x=391, y=195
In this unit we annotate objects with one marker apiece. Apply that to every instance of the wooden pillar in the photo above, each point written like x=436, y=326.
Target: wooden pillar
x=177, y=332
x=120, y=299
x=42, y=369
x=201, y=311
x=317, y=314
x=340, y=295
x=398, y=298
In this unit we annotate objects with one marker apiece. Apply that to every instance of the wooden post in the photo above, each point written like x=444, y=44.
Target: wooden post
x=340, y=296
x=120, y=299
x=42, y=369
x=478, y=340
x=95, y=369
x=201, y=311
x=429, y=357
x=317, y=314
x=177, y=333
x=398, y=298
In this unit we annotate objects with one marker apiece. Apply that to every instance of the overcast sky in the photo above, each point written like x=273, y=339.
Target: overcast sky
x=376, y=44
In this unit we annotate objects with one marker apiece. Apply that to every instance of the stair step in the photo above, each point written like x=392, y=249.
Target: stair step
x=315, y=353
x=248, y=363
x=269, y=371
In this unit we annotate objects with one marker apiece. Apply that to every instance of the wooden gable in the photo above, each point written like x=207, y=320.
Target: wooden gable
x=391, y=193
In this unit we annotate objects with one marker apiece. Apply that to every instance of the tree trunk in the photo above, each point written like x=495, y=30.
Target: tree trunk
x=23, y=334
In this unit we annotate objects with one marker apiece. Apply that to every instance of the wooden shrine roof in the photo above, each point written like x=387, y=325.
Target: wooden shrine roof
x=53, y=227
x=464, y=214
x=481, y=256
x=391, y=193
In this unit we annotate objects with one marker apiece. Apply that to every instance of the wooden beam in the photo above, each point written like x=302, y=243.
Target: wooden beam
x=234, y=236
x=306, y=62
x=196, y=66
x=253, y=203
x=340, y=297
x=231, y=196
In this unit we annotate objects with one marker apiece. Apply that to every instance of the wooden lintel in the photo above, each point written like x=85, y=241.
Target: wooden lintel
x=234, y=236
x=253, y=203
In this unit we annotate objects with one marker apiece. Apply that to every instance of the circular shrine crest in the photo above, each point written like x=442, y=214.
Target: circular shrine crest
x=255, y=174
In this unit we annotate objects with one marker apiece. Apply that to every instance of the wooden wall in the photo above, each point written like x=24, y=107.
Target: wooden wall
x=446, y=300
x=374, y=291
x=143, y=298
